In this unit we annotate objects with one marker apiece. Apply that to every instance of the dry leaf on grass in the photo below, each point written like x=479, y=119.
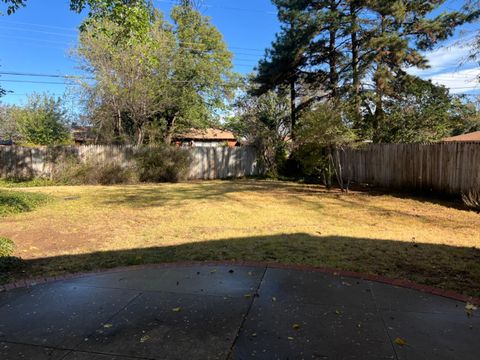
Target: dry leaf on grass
x=144, y=338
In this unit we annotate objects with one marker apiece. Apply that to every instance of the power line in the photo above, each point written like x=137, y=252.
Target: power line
x=63, y=83
x=39, y=25
x=46, y=75
x=37, y=31
x=225, y=8
x=32, y=82
x=33, y=39
x=183, y=43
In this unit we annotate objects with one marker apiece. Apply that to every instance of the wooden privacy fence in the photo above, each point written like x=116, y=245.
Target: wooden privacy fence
x=452, y=167
x=207, y=163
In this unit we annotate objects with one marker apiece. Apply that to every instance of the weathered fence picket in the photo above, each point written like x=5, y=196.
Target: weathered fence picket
x=451, y=168
x=207, y=163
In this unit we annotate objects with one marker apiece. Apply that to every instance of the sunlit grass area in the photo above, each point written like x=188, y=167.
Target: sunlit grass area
x=90, y=227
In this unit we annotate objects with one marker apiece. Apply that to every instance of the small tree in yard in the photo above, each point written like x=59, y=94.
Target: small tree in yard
x=264, y=121
x=321, y=134
x=42, y=121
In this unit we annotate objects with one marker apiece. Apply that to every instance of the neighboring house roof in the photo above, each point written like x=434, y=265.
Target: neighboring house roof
x=473, y=136
x=82, y=133
x=207, y=135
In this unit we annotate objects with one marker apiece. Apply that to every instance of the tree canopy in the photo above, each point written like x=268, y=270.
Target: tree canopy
x=163, y=78
x=355, y=50
x=42, y=121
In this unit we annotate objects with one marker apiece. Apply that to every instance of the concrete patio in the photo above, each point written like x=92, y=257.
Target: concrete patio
x=231, y=312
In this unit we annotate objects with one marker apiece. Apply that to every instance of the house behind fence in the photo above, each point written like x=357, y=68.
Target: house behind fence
x=207, y=162
x=449, y=167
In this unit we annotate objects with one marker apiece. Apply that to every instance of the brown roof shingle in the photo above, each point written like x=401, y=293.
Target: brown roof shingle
x=473, y=136
x=207, y=134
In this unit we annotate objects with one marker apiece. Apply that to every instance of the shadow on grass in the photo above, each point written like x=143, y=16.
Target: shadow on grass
x=154, y=195
x=453, y=201
x=447, y=267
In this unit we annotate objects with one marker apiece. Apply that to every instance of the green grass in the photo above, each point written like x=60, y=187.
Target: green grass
x=6, y=247
x=13, y=202
x=16, y=183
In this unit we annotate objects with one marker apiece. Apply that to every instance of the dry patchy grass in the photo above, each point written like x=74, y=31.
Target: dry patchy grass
x=90, y=227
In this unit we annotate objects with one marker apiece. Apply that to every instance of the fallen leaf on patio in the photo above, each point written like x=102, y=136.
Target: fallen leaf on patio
x=274, y=299
x=296, y=326
x=144, y=338
x=469, y=309
x=400, y=342
x=177, y=309
x=290, y=338
x=338, y=312
x=107, y=326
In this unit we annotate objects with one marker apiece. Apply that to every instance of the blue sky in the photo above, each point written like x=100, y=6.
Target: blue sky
x=37, y=39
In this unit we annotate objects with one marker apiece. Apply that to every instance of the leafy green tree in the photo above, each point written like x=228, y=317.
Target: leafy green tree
x=8, y=124
x=97, y=7
x=353, y=50
x=420, y=112
x=402, y=30
x=173, y=77
x=264, y=121
x=321, y=133
x=42, y=121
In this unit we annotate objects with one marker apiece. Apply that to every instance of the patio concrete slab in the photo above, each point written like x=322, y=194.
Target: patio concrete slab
x=59, y=314
x=291, y=330
x=172, y=326
x=434, y=335
x=23, y=351
x=231, y=312
x=207, y=280
x=316, y=288
x=77, y=355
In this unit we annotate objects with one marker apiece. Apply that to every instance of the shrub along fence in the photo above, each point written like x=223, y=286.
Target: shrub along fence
x=207, y=163
x=450, y=167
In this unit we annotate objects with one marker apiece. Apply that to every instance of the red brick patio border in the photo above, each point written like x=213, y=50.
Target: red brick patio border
x=336, y=272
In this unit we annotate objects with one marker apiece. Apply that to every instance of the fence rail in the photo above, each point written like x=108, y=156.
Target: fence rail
x=207, y=163
x=451, y=168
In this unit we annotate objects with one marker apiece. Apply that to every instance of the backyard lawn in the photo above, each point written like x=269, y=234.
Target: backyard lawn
x=82, y=228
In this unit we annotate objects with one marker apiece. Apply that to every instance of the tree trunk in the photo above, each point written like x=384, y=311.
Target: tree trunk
x=355, y=71
x=333, y=74
x=379, y=115
x=169, y=131
x=293, y=107
x=140, y=135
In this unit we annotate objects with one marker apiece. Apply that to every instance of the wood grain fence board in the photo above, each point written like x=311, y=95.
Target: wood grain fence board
x=207, y=163
x=443, y=167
